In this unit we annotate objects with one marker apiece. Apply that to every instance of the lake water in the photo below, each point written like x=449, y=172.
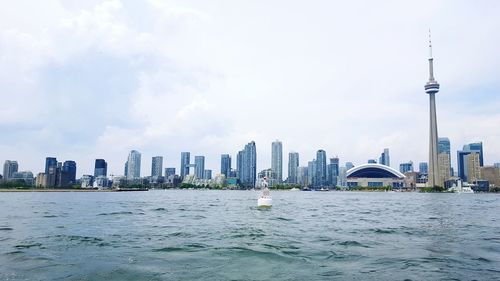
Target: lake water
x=221, y=235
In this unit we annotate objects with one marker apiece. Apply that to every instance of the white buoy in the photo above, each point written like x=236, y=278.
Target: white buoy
x=265, y=199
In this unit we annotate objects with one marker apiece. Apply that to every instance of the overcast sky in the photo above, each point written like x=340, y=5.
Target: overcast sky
x=81, y=80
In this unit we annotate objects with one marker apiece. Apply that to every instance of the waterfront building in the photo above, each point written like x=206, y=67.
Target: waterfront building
x=225, y=165
x=462, y=158
x=100, y=168
x=342, y=177
x=302, y=176
x=169, y=172
x=199, y=167
x=9, y=168
x=277, y=160
x=473, y=167
x=51, y=172
x=491, y=174
x=384, y=158
x=87, y=181
x=100, y=182
x=444, y=169
x=321, y=168
x=333, y=171
x=423, y=168
x=125, y=172
x=374, y=175
x=207, y=174
x=25, y=176
x=293, y=165
x=443, y=145
x=134, y=165
x=269, y=176
x=312, y=173
x=185, y=160
x=247, y=165
x=431, y=88
x=68, y=174
x=406, y=167
x=156, y=166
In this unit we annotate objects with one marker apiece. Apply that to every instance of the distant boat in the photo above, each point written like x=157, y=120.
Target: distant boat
x=323, y=189
x=294, y=189
x=459, y=188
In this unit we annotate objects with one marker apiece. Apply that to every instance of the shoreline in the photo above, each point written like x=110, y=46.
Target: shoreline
x=51, y=190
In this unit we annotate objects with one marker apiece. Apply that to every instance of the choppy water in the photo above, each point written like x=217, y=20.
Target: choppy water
x=221, y=235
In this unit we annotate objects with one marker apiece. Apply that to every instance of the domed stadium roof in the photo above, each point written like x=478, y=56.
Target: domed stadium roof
x=373, y=171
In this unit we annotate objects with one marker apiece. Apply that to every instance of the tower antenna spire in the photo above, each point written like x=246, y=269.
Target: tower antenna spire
x=430, y=44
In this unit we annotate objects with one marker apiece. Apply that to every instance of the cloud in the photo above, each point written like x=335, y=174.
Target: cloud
x=97, y=79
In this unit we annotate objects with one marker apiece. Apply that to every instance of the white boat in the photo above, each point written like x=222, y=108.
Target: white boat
x=460, y=188
x=294, y=189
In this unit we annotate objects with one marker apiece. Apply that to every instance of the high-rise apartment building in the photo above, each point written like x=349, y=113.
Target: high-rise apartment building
x=9, y=168
x=423, y=168
x=321, y=168
x=225, y=165
x=156, y=166
x=277, y=160
x=199, y=167
x=406, y=167
x=384, y=158
x=473, y=167
x=462, y=155
x=333, y=171
x=68, y=173
x=293, y=165
x=134, y=165
x=247, y=165
x=185, y=160
x=444, y=168
x=100, y=168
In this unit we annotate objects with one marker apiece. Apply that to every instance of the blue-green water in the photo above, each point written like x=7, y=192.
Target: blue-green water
x=221, y=235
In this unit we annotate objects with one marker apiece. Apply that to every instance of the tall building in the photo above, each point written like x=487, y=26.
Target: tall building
x=473, y=167
x=199, y=167
x=462, y=158
x=384, y=158
x=293, y=165
x=68, y=175
x=134, y=165
x=207, y=174
x=423, y=168
x=333, y=171
x=185, y=160
x=9, y=168
x=156, y=166
x=100, y=168
x=321, y=167
x=51, y=172
x=311, y=173
x=302, y=176
x=431, y=88
x=406, y=167
x=444, y=145
x=277, y=160
x=444, y=168
x=225, y=165
x=169, y=172
x=247, y=165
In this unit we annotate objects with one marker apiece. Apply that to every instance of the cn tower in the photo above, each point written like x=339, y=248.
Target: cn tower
x=431, y=88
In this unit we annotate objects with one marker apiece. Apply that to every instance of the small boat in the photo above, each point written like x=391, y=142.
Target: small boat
x=294, y=189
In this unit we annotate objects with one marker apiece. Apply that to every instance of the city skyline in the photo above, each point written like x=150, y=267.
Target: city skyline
x=336, y=85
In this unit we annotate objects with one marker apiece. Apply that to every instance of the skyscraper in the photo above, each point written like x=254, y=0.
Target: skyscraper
x=169, y=172
x=100, y=168
x=406, y=167
x=462, y=158
x=185, y=159
x=51, y=172
x=9, y=168
x=444, y=160
x=68, y=173
x=384, y=158
x=134, y=165
x=321, y=168
x=423, y=168
x=277, y=160
x=199, y=167
x=431, y=88
x=156, y=166
x=225, y=165
x=293, y=165
x=349, y=165
x=247, y=165
x=333, y=171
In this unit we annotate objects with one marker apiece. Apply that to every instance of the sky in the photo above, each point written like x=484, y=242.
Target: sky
x=81, y=80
